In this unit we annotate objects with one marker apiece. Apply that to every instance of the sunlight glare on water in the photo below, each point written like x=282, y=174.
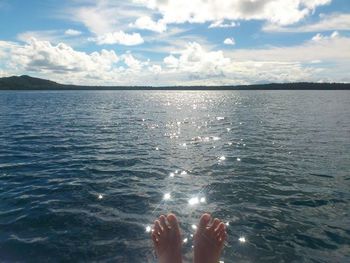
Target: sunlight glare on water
x=107, y=164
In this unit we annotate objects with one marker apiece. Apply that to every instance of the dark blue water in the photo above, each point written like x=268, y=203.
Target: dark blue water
x=82, y=174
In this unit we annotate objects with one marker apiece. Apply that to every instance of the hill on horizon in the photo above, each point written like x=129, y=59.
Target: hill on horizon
x=26, y=82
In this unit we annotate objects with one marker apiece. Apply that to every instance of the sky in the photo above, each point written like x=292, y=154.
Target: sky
x=176, y=42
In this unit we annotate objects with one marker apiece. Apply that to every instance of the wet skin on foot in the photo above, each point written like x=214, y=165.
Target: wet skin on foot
x=167, y=239
x=209, y=240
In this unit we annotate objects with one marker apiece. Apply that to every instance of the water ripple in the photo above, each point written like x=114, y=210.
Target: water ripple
x=82, y=174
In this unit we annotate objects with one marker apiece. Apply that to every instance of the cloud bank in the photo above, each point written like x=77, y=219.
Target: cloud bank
x=192, y=65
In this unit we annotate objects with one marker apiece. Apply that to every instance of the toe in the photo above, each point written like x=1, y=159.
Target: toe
x=215, y=224
x=173, y=222
x=220, y=227
x=203, y=221
x=222, y=238
x=163, y=222
x=157, y=229
x=155, y=240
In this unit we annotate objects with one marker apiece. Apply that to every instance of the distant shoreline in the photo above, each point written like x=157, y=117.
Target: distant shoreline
x=27, y=83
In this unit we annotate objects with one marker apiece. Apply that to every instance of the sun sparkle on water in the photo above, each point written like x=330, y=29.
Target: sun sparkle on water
x=193, y=201
x=167, y=196
x=148, y=229
x=242, y=239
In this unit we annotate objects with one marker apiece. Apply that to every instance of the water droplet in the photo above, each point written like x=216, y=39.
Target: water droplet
x=220, y=118
x=183, y=173
x=171, y=175
x=157, y=149
x=228, y=129
x=148, y=229
x=227, y=223
x=202, y=200
x=100, y=196
x=238, y=159
x=194, y=227
x=185, y=240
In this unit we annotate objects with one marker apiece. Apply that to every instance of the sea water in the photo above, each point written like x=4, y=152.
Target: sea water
x=83, y=174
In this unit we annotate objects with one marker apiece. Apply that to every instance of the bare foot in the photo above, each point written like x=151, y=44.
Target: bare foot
x=209, y=240
x=167, y=239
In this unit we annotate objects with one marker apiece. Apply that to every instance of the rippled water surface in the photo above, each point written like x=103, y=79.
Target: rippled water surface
x=84, y=174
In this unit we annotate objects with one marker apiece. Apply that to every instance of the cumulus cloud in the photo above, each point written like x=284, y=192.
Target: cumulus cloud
x=221, y=24
x=320, y=37
x=145, y=22
x=107, y=21
x=281, y=12
x=133, y=63
x=197, y=66
x=334, y=48
x=194, y=64
x=195, y=59
x=326, y=23
x=64, y=64
x=119, y=37
x=229, y=41
x=43, y=56
x=72, y=32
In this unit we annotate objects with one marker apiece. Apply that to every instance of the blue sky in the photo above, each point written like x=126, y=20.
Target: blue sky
x=176, y=42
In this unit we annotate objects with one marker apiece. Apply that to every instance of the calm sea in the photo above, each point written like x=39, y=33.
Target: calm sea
x=84, y=174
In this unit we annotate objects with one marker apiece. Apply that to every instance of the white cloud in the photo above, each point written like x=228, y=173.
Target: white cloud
x=145, y=22
x=64, y=64
x=326, y=23
x=156, y=69
x=282, y=12
x=320, y=37
x=3, y=73
x=197, y=66
x=221, y=24
x=119, y=37
x=97, y=19
x=42, y=56
x=133, y=63
x=195, y=59
x=47, y=35
x=53, y=36
x=107, y=20
x=336, y=48
x=324, y=58
x=229, y=41
x=72, y=32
